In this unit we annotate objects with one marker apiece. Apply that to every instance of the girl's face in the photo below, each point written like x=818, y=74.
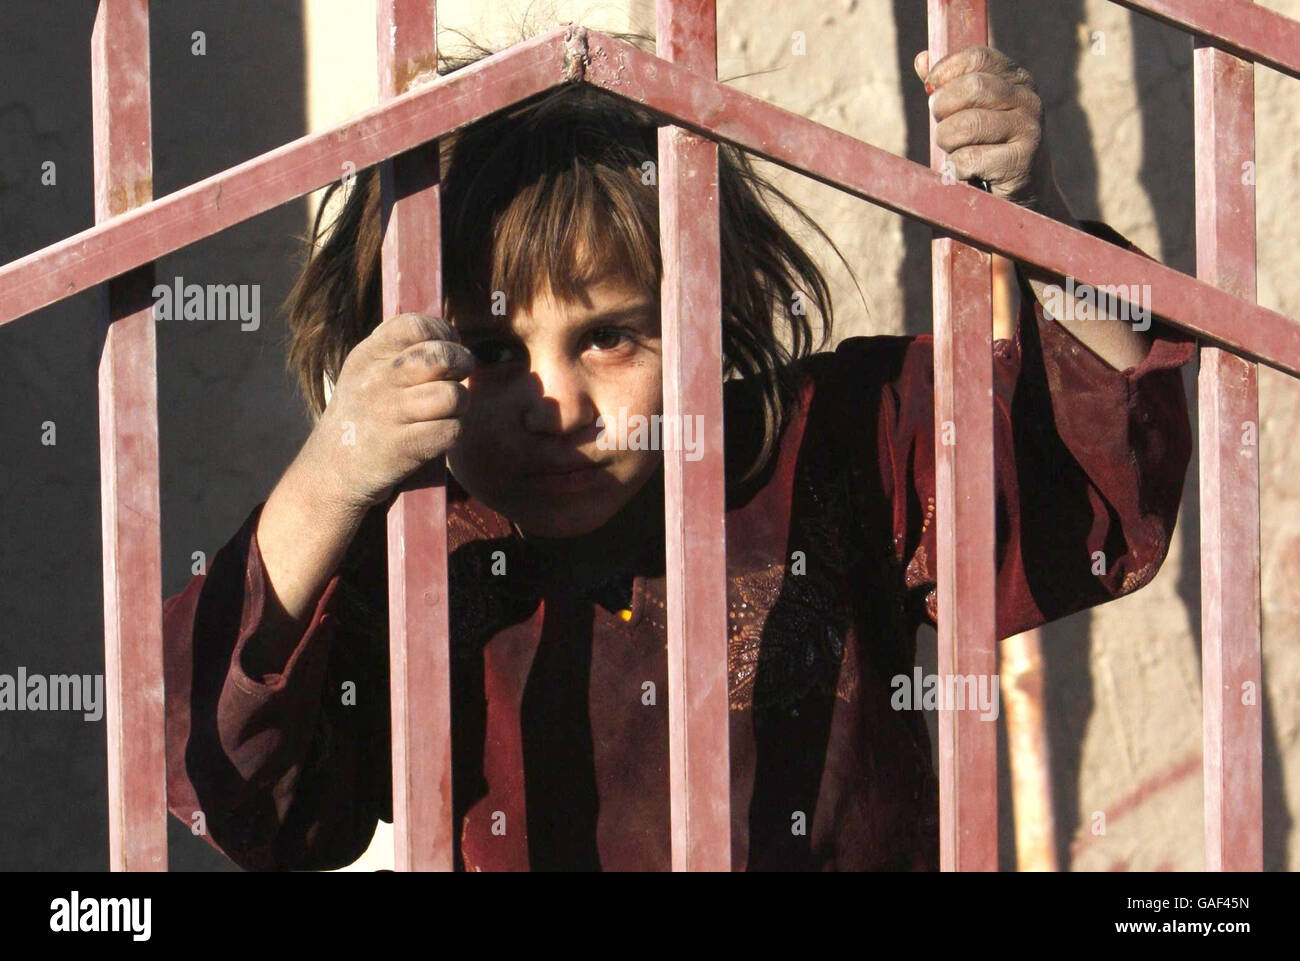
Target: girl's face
x=544, y=376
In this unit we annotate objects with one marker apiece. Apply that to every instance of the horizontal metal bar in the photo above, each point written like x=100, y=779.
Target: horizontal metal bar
x=278, y=176
x=1243, y=28
x=979, y=218
x=712, y=109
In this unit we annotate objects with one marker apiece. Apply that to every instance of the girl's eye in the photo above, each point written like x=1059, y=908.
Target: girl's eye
x=609, y=338
x=492, y=352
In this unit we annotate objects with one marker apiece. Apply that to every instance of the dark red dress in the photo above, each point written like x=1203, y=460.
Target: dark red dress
x=558, y=740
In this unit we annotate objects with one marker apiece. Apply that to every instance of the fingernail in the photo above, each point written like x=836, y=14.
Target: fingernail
x=932, y=99
x=929, y=89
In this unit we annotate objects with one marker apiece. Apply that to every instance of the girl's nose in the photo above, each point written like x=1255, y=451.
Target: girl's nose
x=562, y=403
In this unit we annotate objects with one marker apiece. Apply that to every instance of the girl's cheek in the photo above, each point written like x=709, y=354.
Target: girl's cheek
x=484, y=410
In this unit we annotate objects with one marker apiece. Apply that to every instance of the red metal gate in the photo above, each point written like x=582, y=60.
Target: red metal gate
x=133, y=229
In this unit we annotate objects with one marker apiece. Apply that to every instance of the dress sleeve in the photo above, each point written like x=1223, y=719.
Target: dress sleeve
x=283, y=766
x=1089, y=461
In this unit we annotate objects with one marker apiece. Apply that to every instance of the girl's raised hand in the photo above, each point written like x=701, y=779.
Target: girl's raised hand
x=990, y=122
x=397, y=405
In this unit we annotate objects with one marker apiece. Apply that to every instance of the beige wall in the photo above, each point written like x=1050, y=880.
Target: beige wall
x=1123, y=680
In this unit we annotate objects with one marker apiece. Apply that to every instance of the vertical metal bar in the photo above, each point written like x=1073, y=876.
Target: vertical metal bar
x=1229, y=435
x=417, y=520
x=128, y=453
x=964, y=503
x=696, y=545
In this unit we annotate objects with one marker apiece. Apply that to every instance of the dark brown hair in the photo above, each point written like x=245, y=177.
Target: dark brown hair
x=560, y=190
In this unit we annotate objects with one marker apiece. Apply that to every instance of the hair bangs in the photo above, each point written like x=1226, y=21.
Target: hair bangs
x=572, y=228
x=552, y=195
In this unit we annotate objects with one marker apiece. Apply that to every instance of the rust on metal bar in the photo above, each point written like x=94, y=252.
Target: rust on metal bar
x=278, y=176
x=694, y=522
x=1229, y=439
x=575, y=53
x=1240, y=27
x=128, y=453
x=838, y=160
x=420, y=678
x=964, y=499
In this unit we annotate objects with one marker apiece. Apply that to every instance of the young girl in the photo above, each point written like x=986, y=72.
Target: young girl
x=277, y=658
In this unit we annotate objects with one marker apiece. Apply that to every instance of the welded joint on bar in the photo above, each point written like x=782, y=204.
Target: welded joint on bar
x=576, y=56
x=421, y=70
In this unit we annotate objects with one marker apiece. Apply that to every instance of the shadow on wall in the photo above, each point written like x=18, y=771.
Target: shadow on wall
x=229, y=416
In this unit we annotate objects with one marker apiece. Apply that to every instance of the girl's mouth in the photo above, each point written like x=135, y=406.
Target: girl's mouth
x=568, y=481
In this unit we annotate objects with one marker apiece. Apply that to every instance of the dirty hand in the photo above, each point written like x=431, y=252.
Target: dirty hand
x=398, y=404
x=990, y=122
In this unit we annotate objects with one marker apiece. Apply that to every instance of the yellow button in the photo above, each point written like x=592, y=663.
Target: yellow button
x=625, y=614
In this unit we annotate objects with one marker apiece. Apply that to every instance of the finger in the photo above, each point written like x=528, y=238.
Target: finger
x=401, y=331
x=976, y=60
x=432, y=360
x=1004, y=166
x=437, y=400
x=921, y=64
x=426, y=440
x=969, y=127
x=984, y=91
